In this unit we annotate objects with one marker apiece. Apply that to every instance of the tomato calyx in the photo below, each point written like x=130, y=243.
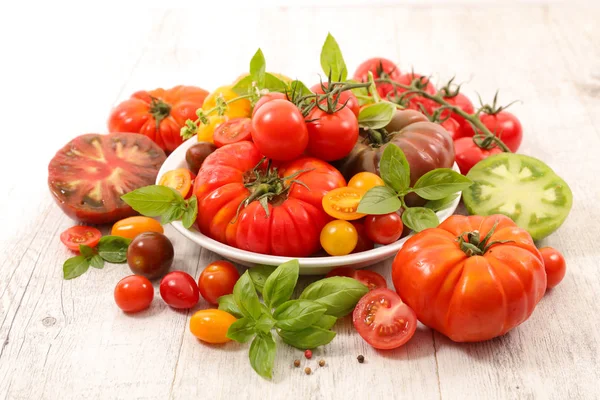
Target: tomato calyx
x=472, y=244
x=159, y=110
x=328, y=101
x=451, y=89
x=494, y=108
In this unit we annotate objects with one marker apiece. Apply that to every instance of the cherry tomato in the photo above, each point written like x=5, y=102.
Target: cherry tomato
x=150, y=254
x=279, y=130
x=341, y=203
x=416, y=102
x=195, y=155
x=134, y=293
x=266, y=98
x=468, y=153
x=339, y=238
x=133, y=226
x=461, y=101
x=179, y=290
x=232, y=131
x=211, y=325
x=346, y=97
x=378, y=66
x=555, y=265
x=452, y=127
x=383, y=320
x=179, y=179
x=364, y=243
x=206, y=131
x=384, y=229
x=331, y=136
x=365, y=181
x=504, y=125
x=217, y=279
x=235, y=109
x=79, y=234
x=371, y=279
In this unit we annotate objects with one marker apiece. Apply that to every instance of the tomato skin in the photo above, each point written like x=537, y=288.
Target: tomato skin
x=211, y=325
x=131, y=227
x=377, y=65
x=150, y=254
x=346, y=97
x=342, y=203
x=461, y=101
x=468, y=153
x=266, y=98
x=475, y=298
x=371, y=279
x=331, y=136
x=76, y=235
x=217, y=279
x=134, y=293
x=365, y=181
x=179, y=290
x=179, y=179
x=236, y=109
x=338, y=238
x=232, y=131
x=195, y=155
x=504, y=125
x=364, y=243
x=555, y=265
x=279, y=130
x=453, y=128
x=384, y=229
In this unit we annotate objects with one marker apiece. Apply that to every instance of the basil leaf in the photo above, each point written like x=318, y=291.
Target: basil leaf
x=308, y=338
x=265, y=323
x=439, y=183
x=274, y=84
x=326, y=322
x=75, y=266
x=259, y=275
x=86, y=251
x=190, y=213
x=298, y=87
x=257, y=68
x=441, y=204
x=332, y=61
x=379, y=200
x=361, y=93
x=173, y=214
x=376, y=116
x=227, y=303
x=113, y=248
x=262, y=354
x=394, y=168
x=419, y=218
x=96, y=261
x=280, y=285
x=338, y=293
x=241, y=330
x=295, y=315
x=153, y=200
x=243, y=86
x=246, y=298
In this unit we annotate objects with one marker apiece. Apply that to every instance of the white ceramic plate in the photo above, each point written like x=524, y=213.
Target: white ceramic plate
x=308, y=265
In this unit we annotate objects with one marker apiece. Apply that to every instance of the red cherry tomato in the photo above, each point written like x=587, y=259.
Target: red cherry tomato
x=371, y=279
x=134, y=293
x=461, y=101
x=364, y=243
x=416, y=102
x=179, y=290
x=504, y=125
x=217, y=279
x=232, y=131
x=468, y=154
x=346, y=97
x=331, y=136
x=76, y=235
x=378, y=66
x=555, y=265
x=384, y=229
x=266, y=98
x=452, y=127
x=383, y=320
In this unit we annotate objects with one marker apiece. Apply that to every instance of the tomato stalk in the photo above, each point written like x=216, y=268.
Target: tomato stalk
x=472, y=244
x=159, y=110
x=330, y=95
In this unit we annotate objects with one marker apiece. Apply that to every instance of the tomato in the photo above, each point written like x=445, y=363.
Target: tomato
x=342, y=203
x=133, y=226
x=234, y=130
x=159, y=114
x=384, y=229
x=461, y=101
x=211, y=325
x=555, y=265
x=179, y=290
x=468, y=153
x=346, y=97
x=233, y=178
x=150, y=254
x=339, y=238
x=371, y=279
x=364, y=243
x=383, y=320
x=235, y=109
x=414, y=101
x=88, y=176
x=206, y=132
x=179, y=179
x=195, y=155
x=76, y=235
x=217, y=279
x=502, y=124
x=134, y=293
x=266, y=98
x=378, y=66
x=331, y=136
x=471, y=278
x=279, y=130
x=452, y=127
x=365, y=181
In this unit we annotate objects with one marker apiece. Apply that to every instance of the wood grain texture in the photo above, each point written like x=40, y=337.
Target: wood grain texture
x=67, y=340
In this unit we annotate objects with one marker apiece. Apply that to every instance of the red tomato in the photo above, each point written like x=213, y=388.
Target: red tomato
x=134, y=293
x=371, y=279
x=232, y=131
x=364, y=243
x=217, y=279
x=468, y=153
x=159, y=114
x=504, y=125
x=179, y=290
x=416, y=102
x=346, y=97
x=384, y=229
x=76, y=235
x=383, y=320
x=266, y=98
x=452, y=127
x=279, y=130
x=378, y=66
x=461, y=101
x=555, y=266
x=331, y=136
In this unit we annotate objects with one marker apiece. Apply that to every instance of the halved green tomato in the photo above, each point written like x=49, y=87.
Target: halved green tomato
x=522, y=188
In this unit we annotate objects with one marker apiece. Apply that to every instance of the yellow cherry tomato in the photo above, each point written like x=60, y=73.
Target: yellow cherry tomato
x=341, y=203
x=211, y=325
x=205, y=131
x=179, y=179
x=133, y=226
x=236, y=109
x=339, y=238
x=365, y=181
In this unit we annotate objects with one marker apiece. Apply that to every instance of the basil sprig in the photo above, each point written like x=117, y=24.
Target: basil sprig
x=110, y=248
x=304, y=323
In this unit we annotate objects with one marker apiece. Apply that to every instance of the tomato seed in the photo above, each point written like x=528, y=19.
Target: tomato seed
x=307, y=370
x=296, y=363
x=361, y=358
x=308, y=354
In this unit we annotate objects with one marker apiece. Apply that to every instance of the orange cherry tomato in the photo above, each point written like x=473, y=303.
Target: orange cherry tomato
x=134, y=293
x=217, y=279
x=179, y=179
x=211, y=325
x=133, y=226
x=365, y=181
x=341, y=203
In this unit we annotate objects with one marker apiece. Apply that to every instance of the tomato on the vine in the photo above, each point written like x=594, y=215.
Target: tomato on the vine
x=79, y=234
x=179, y=290
x=134, y=293
x=453, y=128
x=461, y=101
x=365, y=181
x=384, y=229
x=211, y=325
x=345, y=98
x=217, y=279
x=468, y=153
x=378, y=66
x=331, y=136
x=555, y=266
x=339, y=238
x=371, y=279
x=414, y=101
x=179, y=179
x=266, y=98
x=342, y=203
x=502, y=124
x=232, y=131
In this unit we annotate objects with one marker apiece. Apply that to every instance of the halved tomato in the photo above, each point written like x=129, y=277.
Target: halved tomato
x=233, y=131
x=342, y=203
x=179, y=179
x=383, y=320
x=88, y=176
x=76, y=235
x=371, y=279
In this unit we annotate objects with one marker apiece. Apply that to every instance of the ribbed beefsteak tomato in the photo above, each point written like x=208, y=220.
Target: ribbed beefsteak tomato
x=472, y=278
x=247, y=203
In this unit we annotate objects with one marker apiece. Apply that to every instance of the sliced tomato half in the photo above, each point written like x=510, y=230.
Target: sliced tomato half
x=233, y=131
x=76, y=235
x=371, y=279
x=179, y=179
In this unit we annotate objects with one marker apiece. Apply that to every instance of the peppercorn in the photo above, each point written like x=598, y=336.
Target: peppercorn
x=321, y=363
x=307, y=370
x=361, y=358
x=308, y=354
x=296, y=363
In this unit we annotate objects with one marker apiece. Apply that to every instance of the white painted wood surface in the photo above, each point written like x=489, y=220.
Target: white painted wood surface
x=61, y=74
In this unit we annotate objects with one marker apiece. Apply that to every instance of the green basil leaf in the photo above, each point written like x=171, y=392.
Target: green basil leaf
x=265, y=323
x=441, y=204
x=259, y=275
x=243, y=86
x=332, y=61
x=75, y=266
x=190, y=213
x=241, y=330
x=394, y=168
x=227, y=303
x=419, y=218
x=154, y=200
x=113, y=248
x=173, y=214
x=326, y=322
x=246, y=298
x=96, y=261
x=295, y=315
x=280, y=285
x=361, y=93
x=308, y=338
x=379, y=200
x=274, y=84
x=338, y=293
x=439, y=183
x=298, y=87
x=86, y=251
x=258, y=68
x=376, y=116
x=262, y=354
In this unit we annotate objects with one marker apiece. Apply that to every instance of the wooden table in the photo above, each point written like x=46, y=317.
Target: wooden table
x=61, y=76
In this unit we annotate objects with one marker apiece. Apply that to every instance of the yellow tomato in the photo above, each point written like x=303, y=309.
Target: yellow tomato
x=339, y=238
x=236, y=109
x=205, y=131
x=365, y=181
x=211, y=325
x=133, y=226
x=179, y=179
x=341, y=203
